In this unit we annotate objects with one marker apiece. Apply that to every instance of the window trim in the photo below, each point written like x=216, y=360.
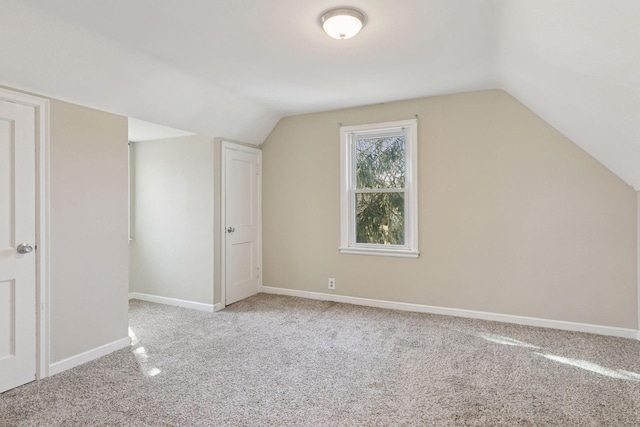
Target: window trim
x=347, y=189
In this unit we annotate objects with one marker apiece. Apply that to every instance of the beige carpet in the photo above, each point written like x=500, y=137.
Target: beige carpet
x=282, y=361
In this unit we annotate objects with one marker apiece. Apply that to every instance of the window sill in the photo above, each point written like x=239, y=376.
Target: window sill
x=380, y=252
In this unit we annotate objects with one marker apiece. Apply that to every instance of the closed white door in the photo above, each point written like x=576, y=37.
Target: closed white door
x=242, y=219
x=17, y=245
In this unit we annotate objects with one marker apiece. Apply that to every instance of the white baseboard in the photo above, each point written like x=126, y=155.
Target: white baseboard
x=471, y=314
x=172, y=301
x=88, y=356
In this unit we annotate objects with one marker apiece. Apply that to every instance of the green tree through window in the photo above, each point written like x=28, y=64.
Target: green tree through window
x=380, y=165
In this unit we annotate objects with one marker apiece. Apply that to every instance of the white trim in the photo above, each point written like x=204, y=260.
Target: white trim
x=225, y=144
x=43, y=240
x=638, y=258
x=380, y=252
x=41, y=107
x=347, y=185
x=469, y=314
x=223, y=222
x=172, y=301
x=130, y=188
x=88, y=356
x=218, y=306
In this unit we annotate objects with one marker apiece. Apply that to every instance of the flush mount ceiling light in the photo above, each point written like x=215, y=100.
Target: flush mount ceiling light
x=342, y=23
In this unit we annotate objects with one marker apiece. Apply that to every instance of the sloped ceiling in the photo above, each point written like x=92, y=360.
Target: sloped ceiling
x=234, y=68
x=140, y=130
x=576, y=63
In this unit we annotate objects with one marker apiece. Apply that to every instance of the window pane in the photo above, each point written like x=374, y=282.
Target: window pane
x=380, y=162
x=380, y=218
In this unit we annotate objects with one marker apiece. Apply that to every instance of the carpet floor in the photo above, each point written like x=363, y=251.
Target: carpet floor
x=281, y=361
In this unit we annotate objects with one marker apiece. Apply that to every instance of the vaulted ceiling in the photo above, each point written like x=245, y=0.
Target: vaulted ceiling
x=234, y=68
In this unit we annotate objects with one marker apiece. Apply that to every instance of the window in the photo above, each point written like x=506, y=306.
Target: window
x=379, y=189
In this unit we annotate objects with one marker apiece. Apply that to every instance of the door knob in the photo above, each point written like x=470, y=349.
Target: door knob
x=24, y=248
x=230, y=229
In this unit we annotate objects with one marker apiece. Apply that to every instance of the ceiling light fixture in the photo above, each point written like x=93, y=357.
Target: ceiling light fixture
x=342, y=23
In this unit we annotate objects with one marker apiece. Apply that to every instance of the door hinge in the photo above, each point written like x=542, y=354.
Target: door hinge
x=258, y=268
x=257, y=169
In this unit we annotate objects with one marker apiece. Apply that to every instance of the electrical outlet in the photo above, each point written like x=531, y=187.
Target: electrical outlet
x=332, y=283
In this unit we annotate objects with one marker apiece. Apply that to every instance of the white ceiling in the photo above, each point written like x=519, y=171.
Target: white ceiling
x=234, y=68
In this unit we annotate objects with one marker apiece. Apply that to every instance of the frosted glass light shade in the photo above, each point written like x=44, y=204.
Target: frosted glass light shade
x=342, y=23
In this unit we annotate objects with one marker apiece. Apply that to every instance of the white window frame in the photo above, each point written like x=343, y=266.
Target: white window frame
x=348, y=243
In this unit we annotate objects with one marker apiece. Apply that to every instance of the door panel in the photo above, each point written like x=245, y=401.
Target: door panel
x=242, y=215
x=7, y=142
x=241, y=271
x=240, y=182
x=17, y=225
x=7, y=313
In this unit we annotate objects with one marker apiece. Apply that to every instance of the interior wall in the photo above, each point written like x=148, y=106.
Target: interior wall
x=172, y=250
x=513, y=217
x=88, y=229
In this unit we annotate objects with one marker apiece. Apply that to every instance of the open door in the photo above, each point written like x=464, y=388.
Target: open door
x=241, y=221
x=17, y=245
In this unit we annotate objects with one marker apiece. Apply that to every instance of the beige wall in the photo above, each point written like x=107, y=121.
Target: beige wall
x=88, y=229
x=514, y=218
x=172, y=252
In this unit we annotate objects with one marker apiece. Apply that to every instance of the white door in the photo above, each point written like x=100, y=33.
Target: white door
x=17, y=234
x=241, y=221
